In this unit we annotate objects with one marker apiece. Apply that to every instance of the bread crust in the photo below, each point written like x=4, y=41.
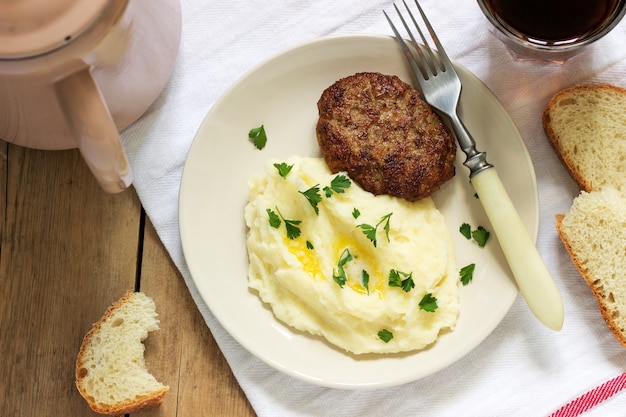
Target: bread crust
x=553, y=137
x=589, y=119
x=377, y=128
x=592, y=283
x=156, y=398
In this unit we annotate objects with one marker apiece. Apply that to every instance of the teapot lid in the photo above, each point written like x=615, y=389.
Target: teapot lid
x=33, y=27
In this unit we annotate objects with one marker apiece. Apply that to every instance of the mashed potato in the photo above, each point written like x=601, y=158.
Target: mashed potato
x=362, y=292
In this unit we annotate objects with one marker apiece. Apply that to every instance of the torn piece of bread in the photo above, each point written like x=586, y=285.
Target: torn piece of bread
x=111, y=373
x=594, y=233
x=586, y=125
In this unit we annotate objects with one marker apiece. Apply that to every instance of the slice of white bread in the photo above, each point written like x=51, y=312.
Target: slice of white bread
x=594, y=233
x=586, y=125
x=111, y=372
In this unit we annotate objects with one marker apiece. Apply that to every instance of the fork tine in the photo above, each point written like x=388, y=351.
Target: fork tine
x=422, y=57
x=424, y=46
x=416, y=65
x=444, y=60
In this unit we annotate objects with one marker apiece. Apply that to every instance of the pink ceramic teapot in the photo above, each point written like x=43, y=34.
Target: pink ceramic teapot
x=73, y=73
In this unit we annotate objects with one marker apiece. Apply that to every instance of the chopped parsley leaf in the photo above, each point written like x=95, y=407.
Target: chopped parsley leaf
x=428, y=303
x=467, y=273
x=258, y=137
x=466, y=230
x=365, y=280
x=481, y=235
x=356, y=213
x=339, y=184
x=313, y=196
x=401, y=279
x=274, y=219
x=293, y=231
x=309, y=245
x=386, y=226
x=370, y=231
x=340, y=276
x=283, y=169
x=385, y=335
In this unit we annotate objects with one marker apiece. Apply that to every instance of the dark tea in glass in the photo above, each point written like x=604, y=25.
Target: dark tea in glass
x=553, y=21
x=553, y=25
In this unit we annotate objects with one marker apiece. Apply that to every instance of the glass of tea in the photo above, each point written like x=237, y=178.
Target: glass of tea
x=551, y=30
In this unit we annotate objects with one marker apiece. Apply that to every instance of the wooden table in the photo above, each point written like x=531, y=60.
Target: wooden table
x=67, y=251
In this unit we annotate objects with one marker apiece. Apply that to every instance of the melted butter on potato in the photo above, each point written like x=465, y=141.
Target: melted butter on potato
x=295, y=276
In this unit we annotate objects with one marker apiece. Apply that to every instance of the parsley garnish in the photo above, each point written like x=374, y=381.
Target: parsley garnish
x=401, y=279
x=340, y=277
x=258, y=137
x=313, y=196
x=309, y=245
x=370, y=231
x=339, y=184
x=481, y=235
x=274, y=219
x=466, y=230
x=385, y=335
x=283, y=169
x=428, y=303
x=293, y=231
x=356, y=213
x=365, y=280
x=467, y=274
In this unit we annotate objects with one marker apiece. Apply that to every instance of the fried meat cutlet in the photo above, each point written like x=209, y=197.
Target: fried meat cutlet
x=377, y=128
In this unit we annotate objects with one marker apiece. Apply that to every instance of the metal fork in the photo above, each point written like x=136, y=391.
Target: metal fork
x=441, y=88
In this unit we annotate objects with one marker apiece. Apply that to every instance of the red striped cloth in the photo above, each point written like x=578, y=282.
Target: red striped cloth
x=592, y=398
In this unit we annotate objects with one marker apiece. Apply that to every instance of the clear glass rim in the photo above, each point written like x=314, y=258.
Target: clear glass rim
x=562, y=46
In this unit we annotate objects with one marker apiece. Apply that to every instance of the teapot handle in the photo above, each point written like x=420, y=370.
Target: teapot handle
x=94, y=130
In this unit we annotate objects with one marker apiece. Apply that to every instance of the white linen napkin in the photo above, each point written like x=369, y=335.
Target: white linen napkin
x=522, y=368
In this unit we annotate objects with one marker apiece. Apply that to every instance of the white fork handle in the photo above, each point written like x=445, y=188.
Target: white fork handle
x=531, y=274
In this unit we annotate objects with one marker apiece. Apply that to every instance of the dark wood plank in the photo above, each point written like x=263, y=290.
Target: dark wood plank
x=4, y=389
x=183, y=353
x=3, y=187
x=68, y=250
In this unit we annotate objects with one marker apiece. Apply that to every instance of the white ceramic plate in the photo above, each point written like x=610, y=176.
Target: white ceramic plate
x=282, y=94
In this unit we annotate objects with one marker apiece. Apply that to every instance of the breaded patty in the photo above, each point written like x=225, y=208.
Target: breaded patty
x=379, y=130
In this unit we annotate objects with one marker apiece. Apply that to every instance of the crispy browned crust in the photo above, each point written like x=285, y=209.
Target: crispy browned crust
x=594, y=286
x=131, y=407
x=553, y=137
x=378, y=129
x=123, y=408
